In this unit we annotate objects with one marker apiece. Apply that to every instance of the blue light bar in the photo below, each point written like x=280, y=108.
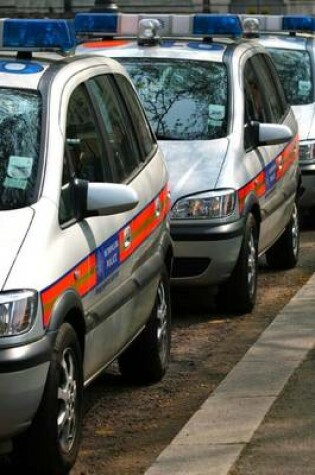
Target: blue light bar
x=298, y=23
x=105, y=23
x=35, y=34
x=214, y=25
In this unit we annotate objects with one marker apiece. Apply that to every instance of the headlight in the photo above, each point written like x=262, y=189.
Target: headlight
x=307, y=151
x=17, y=312
x=212, y=204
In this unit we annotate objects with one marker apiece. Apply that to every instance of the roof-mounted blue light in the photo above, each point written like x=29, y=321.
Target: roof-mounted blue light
x=215, y=25
x=298, y=23
x=35, y=34
x=104, y=23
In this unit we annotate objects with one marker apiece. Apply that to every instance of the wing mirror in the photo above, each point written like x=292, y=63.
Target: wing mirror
x=271, y=134
x=92, y=199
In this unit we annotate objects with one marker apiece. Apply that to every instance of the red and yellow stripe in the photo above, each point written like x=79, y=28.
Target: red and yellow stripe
x=258, y=184
x=144, y=224
x=83, y=277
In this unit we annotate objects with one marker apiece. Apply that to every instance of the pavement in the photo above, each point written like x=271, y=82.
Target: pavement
x=261, y=419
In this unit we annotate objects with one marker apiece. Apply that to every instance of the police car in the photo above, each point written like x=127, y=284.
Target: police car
x=229, y=137
x=85, y=245
x=291, y=43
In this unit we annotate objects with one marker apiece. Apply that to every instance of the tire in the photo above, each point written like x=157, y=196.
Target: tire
x=147, y=358
x=238, y=294
x=51, y=444
x=285, y=251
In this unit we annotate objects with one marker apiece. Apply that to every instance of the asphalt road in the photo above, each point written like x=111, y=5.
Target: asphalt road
x=126, y=427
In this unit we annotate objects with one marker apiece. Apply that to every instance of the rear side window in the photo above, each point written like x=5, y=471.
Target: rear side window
x=295, y=72
x=118, y=132
x=139, y=122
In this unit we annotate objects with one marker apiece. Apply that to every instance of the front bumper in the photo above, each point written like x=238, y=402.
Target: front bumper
x=205, y=254
x=307, y=199
x=23, y=373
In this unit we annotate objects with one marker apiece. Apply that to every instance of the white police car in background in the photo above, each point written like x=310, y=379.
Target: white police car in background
x=290, y=41
x=85, y=246
x=229, y=137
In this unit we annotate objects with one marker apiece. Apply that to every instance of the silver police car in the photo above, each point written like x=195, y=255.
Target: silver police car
x=85, y=245
x=229, y=137
x=291, y=44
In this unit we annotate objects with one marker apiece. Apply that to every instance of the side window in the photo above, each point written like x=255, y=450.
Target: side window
x=84, y=155
x=83, y=139
x=66, y=212
x=141, y=126
x=269, y=91
x=255, y=107
x=121, y=141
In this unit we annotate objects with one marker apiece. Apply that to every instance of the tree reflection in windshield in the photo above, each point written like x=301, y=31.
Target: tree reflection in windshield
x=184, y=99
x=294, y=69
x=19, y=147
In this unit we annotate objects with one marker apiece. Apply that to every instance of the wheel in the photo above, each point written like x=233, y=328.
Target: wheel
x=51, y=444
x=285, y=251
x=238, y=294
x=147, y=358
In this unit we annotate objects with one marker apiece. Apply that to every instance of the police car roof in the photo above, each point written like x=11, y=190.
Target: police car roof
x=192, y=48
x=285, y=41
x=27, y=74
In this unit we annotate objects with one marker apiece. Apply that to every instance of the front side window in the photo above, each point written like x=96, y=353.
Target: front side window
x=121, y=141
x=294, y=69
x=20, y=115
x=84, y=155
x=183, y=99
x=83, y=140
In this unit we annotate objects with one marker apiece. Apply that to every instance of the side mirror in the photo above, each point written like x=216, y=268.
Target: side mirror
x=91, y=199
x=110, y=198
x=274, y=134
x=270, y=134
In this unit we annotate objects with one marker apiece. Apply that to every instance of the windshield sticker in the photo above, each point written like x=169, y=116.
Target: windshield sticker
x=20, y=67
x=304, y=87
x=216, y=111
x=18, y=183
x=20, y=167
x=216, y=114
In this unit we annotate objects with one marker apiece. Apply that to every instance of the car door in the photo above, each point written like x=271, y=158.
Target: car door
x=138, y=162
x=134, y=160
x=109, y=302
x=273, y=186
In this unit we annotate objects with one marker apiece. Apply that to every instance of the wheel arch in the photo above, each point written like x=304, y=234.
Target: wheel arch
x=252, y=206
x=68, y=308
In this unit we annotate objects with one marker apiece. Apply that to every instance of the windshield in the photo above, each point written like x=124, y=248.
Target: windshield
x=184, y=100
x=19, y=147
x=294, y=69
